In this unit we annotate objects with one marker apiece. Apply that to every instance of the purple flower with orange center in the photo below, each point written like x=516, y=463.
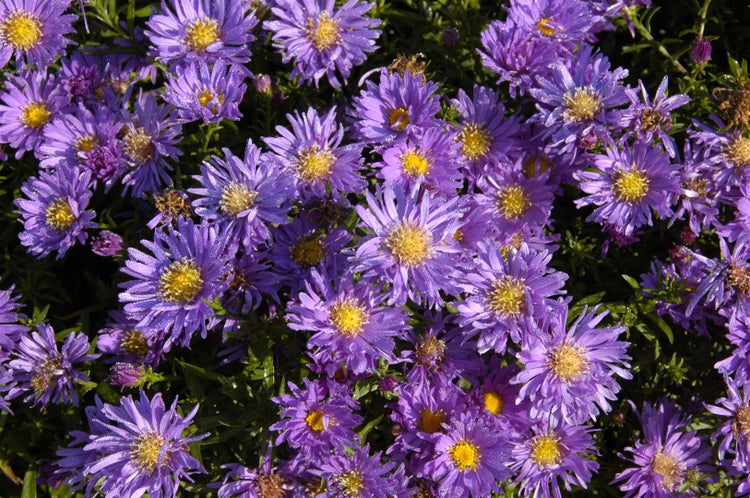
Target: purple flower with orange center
x=53, y=211
x=348, y=322
x=312, y=152
x=31, y=100
x=628, y=184
x=33, y=31
x=206, y=93
x=187, y=266
x=321, y=39
x=207, y=30
x=505, y=293
x=44, y=372
x=10, y=326
x=131, y=449
x=549, y=451
x=315, y=421
x=412, y=244
x=668, y=460
x=572, y=368
x=564, y=24
x=734, y=433
x=469, y=459
x=361, y=475
x=399, y=105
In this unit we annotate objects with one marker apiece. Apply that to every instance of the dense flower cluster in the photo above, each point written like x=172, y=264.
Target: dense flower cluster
x=375, y=287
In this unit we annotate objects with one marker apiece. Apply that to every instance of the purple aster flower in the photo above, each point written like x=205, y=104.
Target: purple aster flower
x=579, y=99
x=45, y=373
x=150, y=138
x=126, y=344
x=572, y=368
x=700, y=51
x=498, y=396
x=206, y=93
x=485, y=135
x=737, y=365
x=106, y=243
x=315, y=421
x=361, y=475
x=30, y=101
x=668, y=458
x=628, y=183
x=549, y=451
x=244, y=196
x=187, y=266
x=11, y=329
x=313, y=154
x=699, y=196
x=429, y=159
x=564, y=24
x=264, y=482
x=649, y=118
x=132, y=449
x=727, y=152
x=81, y=77
x=125, y=375
x=53, y=211
x=323, y=39
x=514, y=56
x=734, y=433
x=505, y=292
x=348, y=322
x=34, y=31
x=87, y=141
x=469, y=458
x=400, y=104
x=252, y=282
x=203, y=30
x=411, y=245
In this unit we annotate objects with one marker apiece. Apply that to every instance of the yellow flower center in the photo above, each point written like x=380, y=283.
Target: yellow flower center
x=742, y=421
x=201, y=33
x=351, y=483
x=430, y=421
x=314, y=420
x=568, y=362
x=670, y=471
x=59, y=214
x=545, y=450
x=493, y=402
x=315, y=163
x=86, y=143
x=535, y=164
x=409, y=244
x=475, y=141
x=512, y=202
x=307, y=252
x=415, y=164
x=542, y=25
x=507, y=297
x=465, y=455
x=205, y=97
x=41, y=377
x=135, y=344
x=581, y=105
x=430, y=349
x=138, y=145
x=35, y=115
x=325, y=34
x=181, y=281
x=631, y=186
x=398, y=118
x=22, y=29
x=738, y=151
x=349, y=317
x=236, y=198
x=145, y=451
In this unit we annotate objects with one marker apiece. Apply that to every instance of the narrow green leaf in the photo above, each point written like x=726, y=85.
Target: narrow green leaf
x=29, y=484
x=370, y=426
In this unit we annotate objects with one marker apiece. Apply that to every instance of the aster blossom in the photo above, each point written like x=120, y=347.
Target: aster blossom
x=627, y=185
x=53, y=211
x=44, y=372
x=734, y=434
x=34, y=31
x=187, y=264
x=321, y=39
x=573, y=370
x=131, y=449
x=411, y=245
x=206, y=30
x=348, y=322
x=10, y=326
x=666, y=456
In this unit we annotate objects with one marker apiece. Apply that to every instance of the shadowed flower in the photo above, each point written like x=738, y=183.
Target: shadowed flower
x=322, y=39
x=106, y=243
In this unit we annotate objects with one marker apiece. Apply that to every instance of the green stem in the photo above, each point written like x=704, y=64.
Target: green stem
x=702, y=15
x=661, y=48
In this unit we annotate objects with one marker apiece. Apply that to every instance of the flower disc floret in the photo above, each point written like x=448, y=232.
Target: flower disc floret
x=507, y=296
x=512, y=202
x=493, y=402
x=35, y=115
x=349, y=317
x=415, y=164
x=324, y=33
x=545, y=450
x=59, y=214
x=181, y=281
x=583, y=104
x=145, y=451
x=738, y=151
x=201, y=34
x=21, y=29
x=568, y=362
x=465, y=455
x=398, y=118
x=314, y=420
x=631, y=186
x=138, y=146
x=314, y=163
x=237, y=197
x=409, y=244
x=475, y=141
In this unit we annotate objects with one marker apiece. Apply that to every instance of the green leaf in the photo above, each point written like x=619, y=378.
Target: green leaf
x=663, y=326
x=370, y=426
x=29, y=484
x=631, y=281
